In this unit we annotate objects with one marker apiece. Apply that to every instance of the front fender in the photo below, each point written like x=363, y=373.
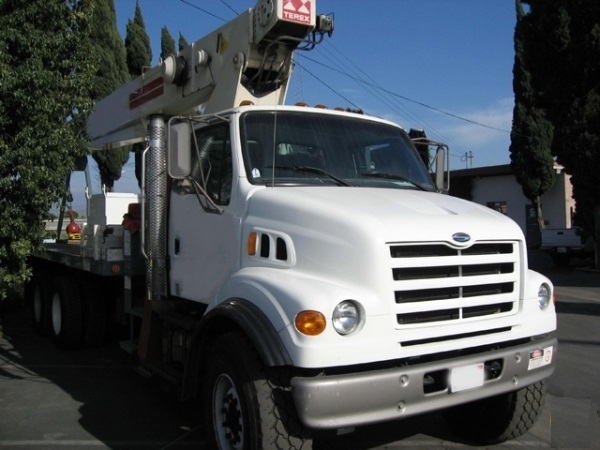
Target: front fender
x=230, y=315
x=281, y=294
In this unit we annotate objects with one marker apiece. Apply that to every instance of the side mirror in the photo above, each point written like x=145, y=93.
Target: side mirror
x=442, y=176
x=179, y=163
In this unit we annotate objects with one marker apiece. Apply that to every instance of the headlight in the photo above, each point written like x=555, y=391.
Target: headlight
x=544, y=296
x=346, y=317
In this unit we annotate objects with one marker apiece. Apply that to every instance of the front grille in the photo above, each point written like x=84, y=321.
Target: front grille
x=439, y=283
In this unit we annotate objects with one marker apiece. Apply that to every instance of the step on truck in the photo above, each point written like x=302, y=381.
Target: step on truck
x=300, y=270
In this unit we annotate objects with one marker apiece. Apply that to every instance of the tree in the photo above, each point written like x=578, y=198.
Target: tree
x=167, y=44
x=139, y=56
x=183, y=43
x=565, y=42
x=46, y=68
x=532, y=133
x=137, y=44
x=112, y=73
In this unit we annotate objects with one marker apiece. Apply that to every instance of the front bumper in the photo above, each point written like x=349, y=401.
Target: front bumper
x=336, y=401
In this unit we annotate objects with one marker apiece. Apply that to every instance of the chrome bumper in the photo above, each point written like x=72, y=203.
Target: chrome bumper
x=336, y=401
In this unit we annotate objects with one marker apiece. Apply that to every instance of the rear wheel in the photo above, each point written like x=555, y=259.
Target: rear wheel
x=246, y=405
x=500, y=418
x=66, y=313
x=37, y=294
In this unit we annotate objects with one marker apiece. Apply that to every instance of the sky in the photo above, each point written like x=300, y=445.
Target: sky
x=444, y=66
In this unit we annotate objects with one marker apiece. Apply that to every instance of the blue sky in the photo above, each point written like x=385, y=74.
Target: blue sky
x=432, y=59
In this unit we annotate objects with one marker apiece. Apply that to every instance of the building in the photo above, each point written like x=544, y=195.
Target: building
x=497, y=188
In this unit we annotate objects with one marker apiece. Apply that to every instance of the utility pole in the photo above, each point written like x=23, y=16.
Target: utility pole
x=468, y=159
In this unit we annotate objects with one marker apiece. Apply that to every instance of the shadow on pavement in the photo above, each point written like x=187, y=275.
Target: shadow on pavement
x=77, y=399
x=95, y=397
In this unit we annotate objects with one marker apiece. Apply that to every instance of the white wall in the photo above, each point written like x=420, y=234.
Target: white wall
x=557, y=203
x=501, y=188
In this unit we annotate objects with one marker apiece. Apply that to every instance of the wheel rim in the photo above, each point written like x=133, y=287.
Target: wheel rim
x=56, y=314
x=227, y=415
x=37, y=304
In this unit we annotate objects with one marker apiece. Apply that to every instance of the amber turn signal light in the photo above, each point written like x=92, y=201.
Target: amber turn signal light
x=310, y=323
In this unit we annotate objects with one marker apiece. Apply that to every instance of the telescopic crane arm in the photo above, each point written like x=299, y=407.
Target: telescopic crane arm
x=247, y=59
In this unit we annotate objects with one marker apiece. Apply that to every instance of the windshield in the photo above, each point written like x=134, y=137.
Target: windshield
x=285, y=147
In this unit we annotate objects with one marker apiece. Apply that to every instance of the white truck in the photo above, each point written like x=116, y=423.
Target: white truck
x=297, y=268
x=564, y=244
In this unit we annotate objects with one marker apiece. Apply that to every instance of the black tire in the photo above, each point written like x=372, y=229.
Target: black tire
x=37, y=295
x=93, y=313
x=500, y=418
x=245, y=405
x=66, y=313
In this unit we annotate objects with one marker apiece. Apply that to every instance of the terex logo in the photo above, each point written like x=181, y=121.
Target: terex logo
x=295, y=17
x=297, y=10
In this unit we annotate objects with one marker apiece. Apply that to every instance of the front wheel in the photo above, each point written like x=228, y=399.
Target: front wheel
x=246, y=405
x=500, y=418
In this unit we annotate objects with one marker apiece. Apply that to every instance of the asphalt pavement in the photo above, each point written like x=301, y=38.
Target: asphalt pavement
x=51, y=399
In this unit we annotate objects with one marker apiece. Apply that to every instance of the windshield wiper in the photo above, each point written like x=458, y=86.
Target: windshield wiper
x=314, y=170
x=394, y=176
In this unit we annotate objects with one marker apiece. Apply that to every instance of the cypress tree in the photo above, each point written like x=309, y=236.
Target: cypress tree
x=566, y=68
x=137, y=44
x=139, y=56
x=167, y=43
x=532, y=133
x=111, y=73
x=183, y=43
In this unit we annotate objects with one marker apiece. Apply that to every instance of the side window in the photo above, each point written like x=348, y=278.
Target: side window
x=212, y=165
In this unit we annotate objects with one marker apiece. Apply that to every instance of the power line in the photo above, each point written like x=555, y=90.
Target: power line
x=398, y=107
x=403, y=97
x=326, y=85
x=203, y=10
x=372, y=87
x=230, y=8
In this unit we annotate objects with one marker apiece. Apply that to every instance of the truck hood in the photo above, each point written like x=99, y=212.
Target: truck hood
x=392, y=215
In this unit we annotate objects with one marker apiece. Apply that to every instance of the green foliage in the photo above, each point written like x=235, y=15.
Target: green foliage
x=183, y=43
x=139, y=56
x=167, y=44
x=564, y=44
x=111, y=74
x=532, y=133
x=46, y=68
x=137, y=44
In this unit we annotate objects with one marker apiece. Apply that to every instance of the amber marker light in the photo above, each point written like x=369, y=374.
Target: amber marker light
x=252, y=237
x=311, y=323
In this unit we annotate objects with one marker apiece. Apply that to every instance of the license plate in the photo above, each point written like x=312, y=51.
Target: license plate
x=561, y=250
x=539, y=358
x=466, y=377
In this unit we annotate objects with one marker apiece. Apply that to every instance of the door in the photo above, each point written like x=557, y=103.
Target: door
x=203, y=230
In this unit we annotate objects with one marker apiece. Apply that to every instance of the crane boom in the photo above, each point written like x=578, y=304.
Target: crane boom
x=248, y=58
